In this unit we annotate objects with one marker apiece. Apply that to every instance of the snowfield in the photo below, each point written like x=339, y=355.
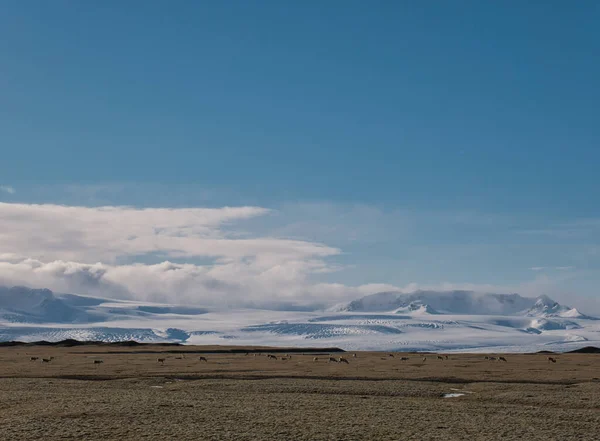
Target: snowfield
x=460, y=321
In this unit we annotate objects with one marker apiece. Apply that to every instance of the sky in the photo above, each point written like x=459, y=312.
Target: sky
x=300, y=152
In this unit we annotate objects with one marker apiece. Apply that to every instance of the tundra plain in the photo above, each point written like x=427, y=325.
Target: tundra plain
x=234, y=396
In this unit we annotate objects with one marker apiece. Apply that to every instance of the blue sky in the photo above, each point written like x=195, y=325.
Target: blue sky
x=429, y=143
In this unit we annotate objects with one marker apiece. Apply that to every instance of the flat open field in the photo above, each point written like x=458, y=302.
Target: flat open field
x=252, y=397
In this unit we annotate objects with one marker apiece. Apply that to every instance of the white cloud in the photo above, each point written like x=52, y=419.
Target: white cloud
x=78, y=249
x=551, y=268
x=83, y=234
x=7, y=189
x=225, y=284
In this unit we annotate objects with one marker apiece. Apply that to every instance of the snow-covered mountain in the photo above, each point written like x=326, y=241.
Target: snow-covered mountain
x=544, y=306
x=20, y=304
x=459, y=302
x=422, y=320
x=23, y=304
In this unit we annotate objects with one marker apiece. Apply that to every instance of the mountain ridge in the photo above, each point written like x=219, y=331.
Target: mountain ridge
x=460, y=302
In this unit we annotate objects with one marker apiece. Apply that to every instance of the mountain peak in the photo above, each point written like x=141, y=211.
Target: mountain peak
x=544, y=306
x=545, y=300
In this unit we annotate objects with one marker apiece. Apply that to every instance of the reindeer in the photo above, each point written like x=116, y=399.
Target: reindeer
x=34, y=358
x=404, y=359
x=203, y=359
x=160, y=360
x=493, y=359
x=550, y=359
x=439, y=357
x=332, y=360
x=446, y=357
x=391, y=355
x=502, y=359
x=486, y=357
x=353, y=355
x=424, y=359
x=46, y=360
x=272, y=357
x=316, y=359
x=284, y=358
x=343, y=360
x=98, y=361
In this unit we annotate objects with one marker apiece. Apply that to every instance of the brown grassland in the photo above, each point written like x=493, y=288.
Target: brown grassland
x=233, y=396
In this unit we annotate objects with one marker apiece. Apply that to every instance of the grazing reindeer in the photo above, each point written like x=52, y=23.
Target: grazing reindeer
x=353, y=355
x=424, y=359
x=343, y=360
x=404, y=359
x=160, y=360
x=486, y=357
x=316, y=359
x=46, y=360
x=34, y=358
x=439, y=357
x=203, y=359
x=332, y=360
x=550, y=359
x=492, y=359
x=391, y=355
x=98, y=361
x=502, y=359
x=284, y=358
x=446, y=357
x=273, y=357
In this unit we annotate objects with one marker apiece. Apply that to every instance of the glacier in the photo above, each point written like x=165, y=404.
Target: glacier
x=459, y=321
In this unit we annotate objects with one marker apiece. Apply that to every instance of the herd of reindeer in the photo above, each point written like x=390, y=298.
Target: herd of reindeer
x=329, y=358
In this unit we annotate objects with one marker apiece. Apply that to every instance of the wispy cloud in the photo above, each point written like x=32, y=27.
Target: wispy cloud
x=579, y=228
x=7, y=189
x=551, y=268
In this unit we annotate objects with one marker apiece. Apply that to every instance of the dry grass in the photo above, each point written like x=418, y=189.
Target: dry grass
x=234, y=396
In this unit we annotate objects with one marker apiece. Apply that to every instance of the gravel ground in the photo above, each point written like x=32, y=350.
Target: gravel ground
x=238, y=397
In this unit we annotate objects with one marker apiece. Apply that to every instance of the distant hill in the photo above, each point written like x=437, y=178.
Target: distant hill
x=586, y=350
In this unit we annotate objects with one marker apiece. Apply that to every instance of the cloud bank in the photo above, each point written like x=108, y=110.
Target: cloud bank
x=192, y=255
